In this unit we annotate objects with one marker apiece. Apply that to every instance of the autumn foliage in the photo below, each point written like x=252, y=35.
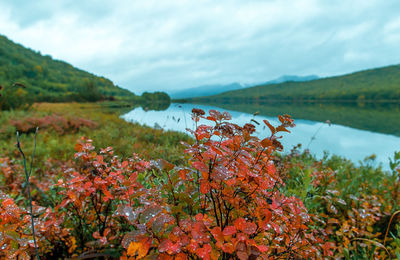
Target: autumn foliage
x=59, y=124
x=229, y=201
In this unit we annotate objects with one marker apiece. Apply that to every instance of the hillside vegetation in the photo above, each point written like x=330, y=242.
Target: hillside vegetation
x=51, y=80
x=27, y=76
x=380, y=84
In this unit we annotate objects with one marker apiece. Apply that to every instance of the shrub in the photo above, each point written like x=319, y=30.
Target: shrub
x=235, y=197
x=60, y=124
x=228, y=203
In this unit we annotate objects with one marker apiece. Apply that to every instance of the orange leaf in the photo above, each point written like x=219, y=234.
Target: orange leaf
x=78, y=147
x=180, y=256
x=273, y=131
x=333, y=221
x=183, y=173
x=107, y=231
x=7, y=202
x=216, y=232
x=266, y=142
x=281, y=128
x=139, y=248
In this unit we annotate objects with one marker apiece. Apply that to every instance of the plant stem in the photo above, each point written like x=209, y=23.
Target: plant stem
x=27, y=175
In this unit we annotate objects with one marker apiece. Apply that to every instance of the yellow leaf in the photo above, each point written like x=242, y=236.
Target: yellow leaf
x=133, y=248
x=370, y=229
x=140, y=248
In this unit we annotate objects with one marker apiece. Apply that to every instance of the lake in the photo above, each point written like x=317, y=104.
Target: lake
x=318, y=136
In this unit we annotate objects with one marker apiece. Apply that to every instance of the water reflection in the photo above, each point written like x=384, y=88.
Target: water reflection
x=351, y=143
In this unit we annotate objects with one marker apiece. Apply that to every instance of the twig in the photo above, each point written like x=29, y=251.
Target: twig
x=374, y=243
x=316, y=132
x=27, y=175
x=390, y=222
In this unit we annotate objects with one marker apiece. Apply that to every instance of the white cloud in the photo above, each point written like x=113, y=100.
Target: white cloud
x=392, y=32
x=160, y=45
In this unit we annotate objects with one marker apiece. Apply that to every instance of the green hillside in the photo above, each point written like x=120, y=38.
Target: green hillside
x=381, y=84
x=51, y=80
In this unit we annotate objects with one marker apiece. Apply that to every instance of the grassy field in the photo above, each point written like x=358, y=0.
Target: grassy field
x=105, y=128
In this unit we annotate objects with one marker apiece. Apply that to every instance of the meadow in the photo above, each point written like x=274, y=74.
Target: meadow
x=105, y=188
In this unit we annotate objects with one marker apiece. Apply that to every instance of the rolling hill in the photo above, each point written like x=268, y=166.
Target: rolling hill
x=47, y=79
x=373, y=85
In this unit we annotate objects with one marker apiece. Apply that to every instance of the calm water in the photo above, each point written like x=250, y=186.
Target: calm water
x=348, y=142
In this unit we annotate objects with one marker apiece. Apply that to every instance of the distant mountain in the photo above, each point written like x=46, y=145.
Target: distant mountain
x=287, y=78
x=379, y=84
x=205, y=90
x=47, y=79
x=208, y=90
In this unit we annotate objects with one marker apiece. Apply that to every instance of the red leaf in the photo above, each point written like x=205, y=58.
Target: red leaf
x=64, y=203
x=200, y=166
x=271, y=168
x=216, y=232
x=249, y=228
x=204, y=252
x=239, y=223
x=88, y=185
x=242, y=255
x=229, y=231
x=108, y=195
x=96, y=235
x=199, y=232
x=165, y=246
x=164, y=165
x=204, y=186
x=228, y=248
x=262, y=248
x=268, y=215
x=124, y=164
x=100, y=159
x=7, y=202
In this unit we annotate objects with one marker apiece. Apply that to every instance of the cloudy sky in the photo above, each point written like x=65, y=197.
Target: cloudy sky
x=168, y=45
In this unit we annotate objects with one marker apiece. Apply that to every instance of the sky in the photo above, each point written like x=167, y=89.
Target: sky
x=167, y=45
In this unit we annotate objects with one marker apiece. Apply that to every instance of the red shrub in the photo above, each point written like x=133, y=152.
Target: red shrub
x=57, y=123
